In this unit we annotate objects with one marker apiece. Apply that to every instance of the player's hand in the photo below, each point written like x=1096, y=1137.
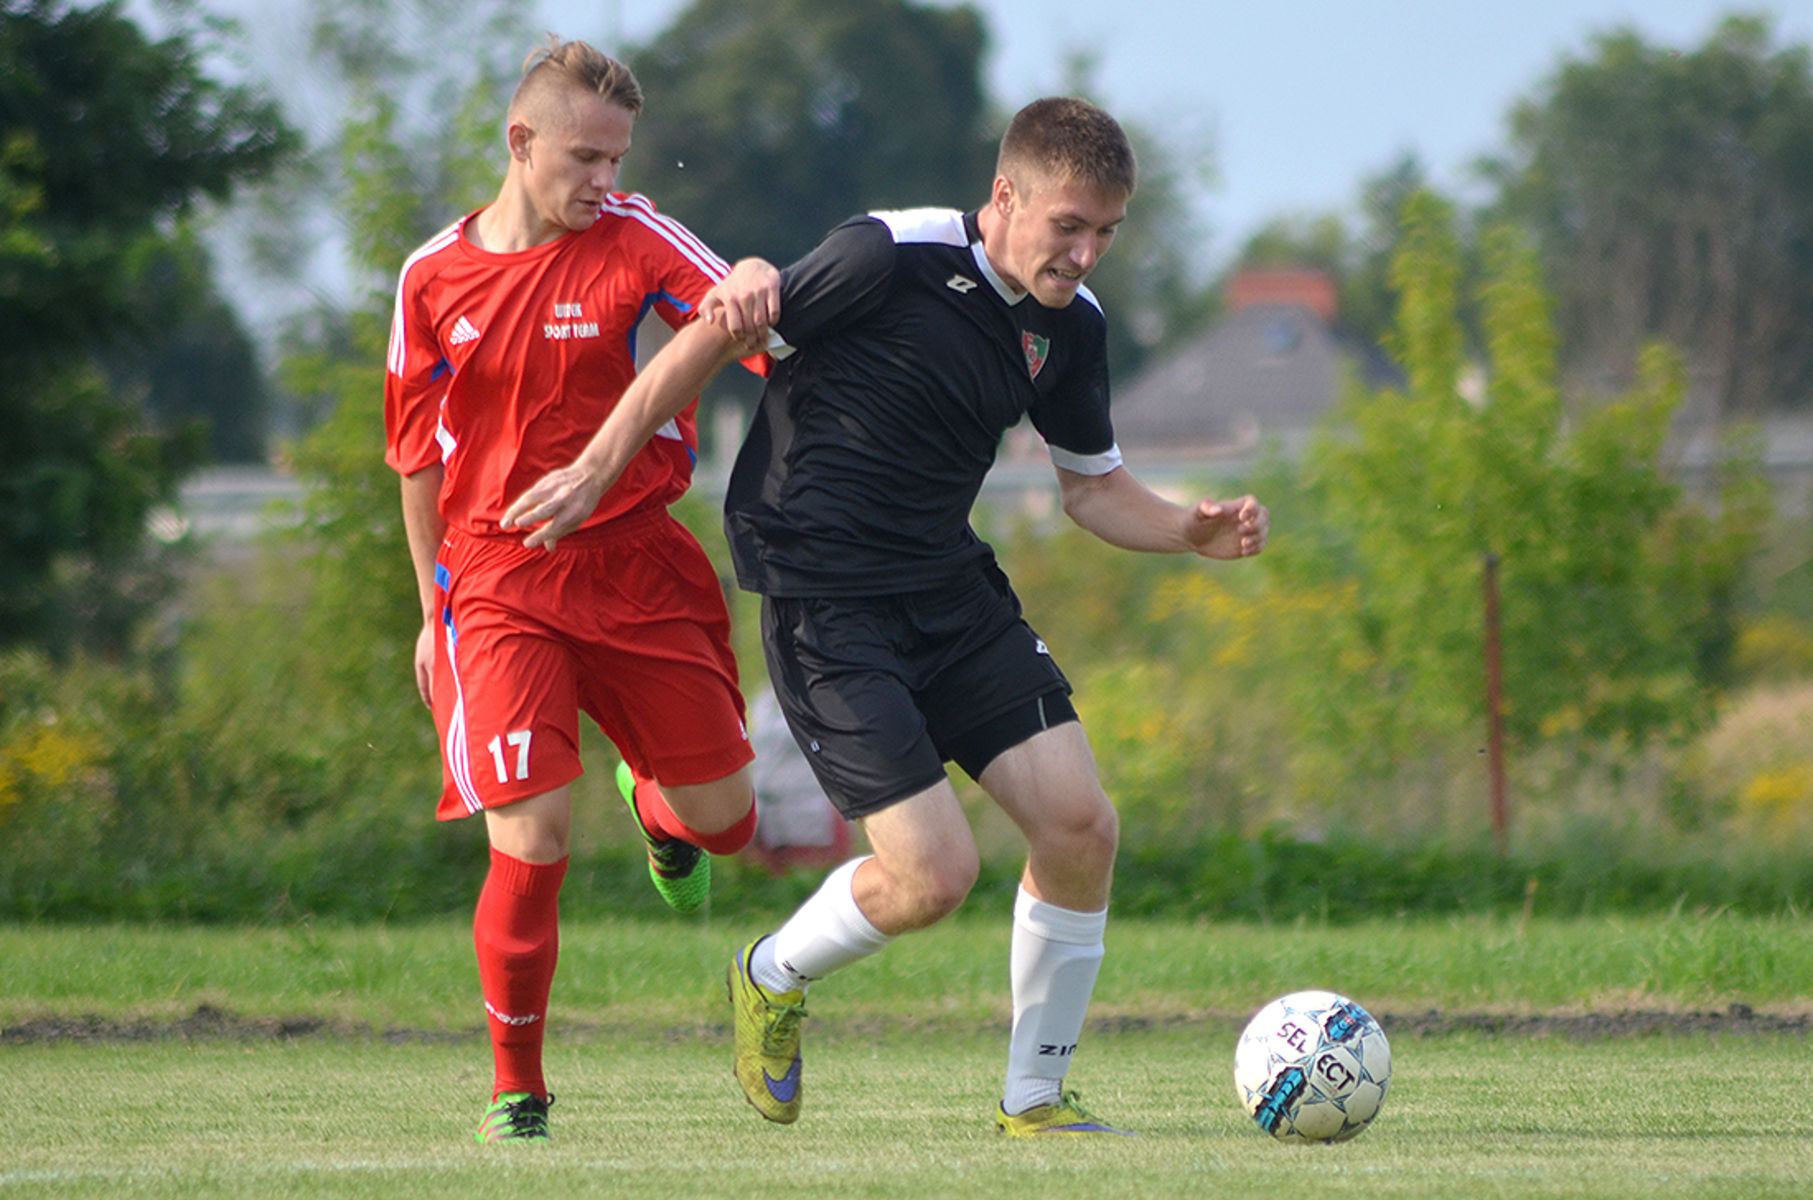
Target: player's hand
x=555, y=506
x=1228, y=528
x=424, y=663
x=745, y=303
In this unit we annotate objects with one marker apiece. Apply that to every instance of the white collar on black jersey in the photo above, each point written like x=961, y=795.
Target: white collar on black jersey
x=989, y=273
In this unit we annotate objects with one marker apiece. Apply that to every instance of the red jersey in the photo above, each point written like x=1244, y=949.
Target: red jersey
x=503, y=366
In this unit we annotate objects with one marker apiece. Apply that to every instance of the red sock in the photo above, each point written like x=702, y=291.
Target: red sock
x=726, y=841
x=659, y=819
x=516, y=931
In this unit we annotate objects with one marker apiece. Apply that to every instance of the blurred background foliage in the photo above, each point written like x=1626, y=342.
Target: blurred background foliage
x=187, y=732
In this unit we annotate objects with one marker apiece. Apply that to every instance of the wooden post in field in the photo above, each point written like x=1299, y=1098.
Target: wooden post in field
x=1495, y=731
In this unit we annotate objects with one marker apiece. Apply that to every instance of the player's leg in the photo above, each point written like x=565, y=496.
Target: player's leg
x=1002, y=711
x=685, y=824
x=717, y=814
x=922, y=864
x=1047, y=784
x=661, y=681
x=834, y=675
x=516, y=935
x=505, y=708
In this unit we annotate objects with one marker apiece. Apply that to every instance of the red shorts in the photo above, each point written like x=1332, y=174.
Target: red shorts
x=625, y=622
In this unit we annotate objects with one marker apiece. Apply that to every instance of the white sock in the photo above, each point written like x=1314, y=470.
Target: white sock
x=1056, y=955
x=827, y=932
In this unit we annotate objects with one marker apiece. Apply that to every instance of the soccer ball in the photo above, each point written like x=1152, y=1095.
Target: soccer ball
x=1312, y=1067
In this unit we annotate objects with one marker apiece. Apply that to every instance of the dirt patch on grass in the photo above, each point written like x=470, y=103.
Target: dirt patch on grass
x=206, y=1023
x=209, y=1023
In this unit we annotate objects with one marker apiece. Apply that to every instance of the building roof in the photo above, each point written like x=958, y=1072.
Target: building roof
x=1272, y=367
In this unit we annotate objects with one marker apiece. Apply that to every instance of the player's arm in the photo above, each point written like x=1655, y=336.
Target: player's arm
x=562, y=499
x=411, y=407
x=1124, y=512
x=424, y=527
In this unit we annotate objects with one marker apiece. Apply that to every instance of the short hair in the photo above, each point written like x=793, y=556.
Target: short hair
x=1068, y=138
x=559, y=65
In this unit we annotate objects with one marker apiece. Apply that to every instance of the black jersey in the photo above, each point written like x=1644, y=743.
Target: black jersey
x=906, y=358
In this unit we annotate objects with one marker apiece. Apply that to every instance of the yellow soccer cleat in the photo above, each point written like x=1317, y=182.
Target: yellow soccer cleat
x=767, y=1042
x=1067, y=1116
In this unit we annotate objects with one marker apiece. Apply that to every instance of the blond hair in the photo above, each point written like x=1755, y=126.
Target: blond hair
x=1061, y=137
x=554, y=70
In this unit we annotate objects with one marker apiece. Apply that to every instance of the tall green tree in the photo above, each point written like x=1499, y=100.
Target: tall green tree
x=1618, y=590
x=108, y=140
x=769, y=122
x=393, y=179
x=1671, y=195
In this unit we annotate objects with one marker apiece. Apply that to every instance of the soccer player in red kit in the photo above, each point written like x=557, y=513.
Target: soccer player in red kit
x=513, y=336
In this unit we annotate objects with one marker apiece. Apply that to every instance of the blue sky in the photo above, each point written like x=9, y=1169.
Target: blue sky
x=1299, y=99
x=1293, y=102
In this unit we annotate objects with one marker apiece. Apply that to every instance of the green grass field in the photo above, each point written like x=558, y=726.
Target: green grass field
x=114, y=1087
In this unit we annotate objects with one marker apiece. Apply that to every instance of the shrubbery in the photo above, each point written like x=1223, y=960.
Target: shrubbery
x=1299, y=735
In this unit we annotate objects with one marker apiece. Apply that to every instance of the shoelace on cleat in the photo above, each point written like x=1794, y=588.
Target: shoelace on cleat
x=782, y=1025
x=674, y=857
x=525, y=1117
x=1074, y=1102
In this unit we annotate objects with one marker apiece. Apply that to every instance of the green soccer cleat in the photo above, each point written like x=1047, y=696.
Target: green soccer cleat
x=1067, y=1116
x=515, y=1116
x=767, y=1042
x=681, y=870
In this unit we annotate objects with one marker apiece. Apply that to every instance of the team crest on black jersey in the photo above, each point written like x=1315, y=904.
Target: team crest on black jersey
x=1037, y=349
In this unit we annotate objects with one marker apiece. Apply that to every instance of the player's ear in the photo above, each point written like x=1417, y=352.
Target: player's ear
x=519, y=136
x=1004, y=198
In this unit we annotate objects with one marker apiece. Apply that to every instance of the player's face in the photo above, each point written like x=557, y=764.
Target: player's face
x=1054, y=231
x=572, y=163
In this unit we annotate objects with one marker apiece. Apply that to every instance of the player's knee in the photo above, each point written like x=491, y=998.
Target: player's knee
x=719, y=816
x=1084, y=834
x=945, y=887
x=733, y=837
x=924, y=893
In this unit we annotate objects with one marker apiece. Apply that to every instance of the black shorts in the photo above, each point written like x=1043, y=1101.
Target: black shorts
x=881, y=691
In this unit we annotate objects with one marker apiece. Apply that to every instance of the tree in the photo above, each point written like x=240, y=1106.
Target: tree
x=1671, y=195
x=1618, y=593
x=198, y=366
x=393, y=183
x=768, y=123
x=107, y=143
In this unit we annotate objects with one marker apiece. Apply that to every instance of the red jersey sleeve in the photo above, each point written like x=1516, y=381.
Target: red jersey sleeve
x=416, y=370
x=684, y=265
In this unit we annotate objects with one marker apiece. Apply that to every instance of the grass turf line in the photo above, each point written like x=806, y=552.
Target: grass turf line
x=897, y=1116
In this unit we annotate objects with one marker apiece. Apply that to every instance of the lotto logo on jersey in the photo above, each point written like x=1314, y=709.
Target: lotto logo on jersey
x=568, y=324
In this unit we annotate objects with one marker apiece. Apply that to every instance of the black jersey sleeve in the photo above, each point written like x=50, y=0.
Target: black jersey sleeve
x=1074, y=418
x=843, y=278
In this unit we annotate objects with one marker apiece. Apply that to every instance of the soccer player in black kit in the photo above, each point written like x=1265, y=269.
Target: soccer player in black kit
x=905, y=345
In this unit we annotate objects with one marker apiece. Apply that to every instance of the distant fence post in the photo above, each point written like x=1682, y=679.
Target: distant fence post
x=1495, y=731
